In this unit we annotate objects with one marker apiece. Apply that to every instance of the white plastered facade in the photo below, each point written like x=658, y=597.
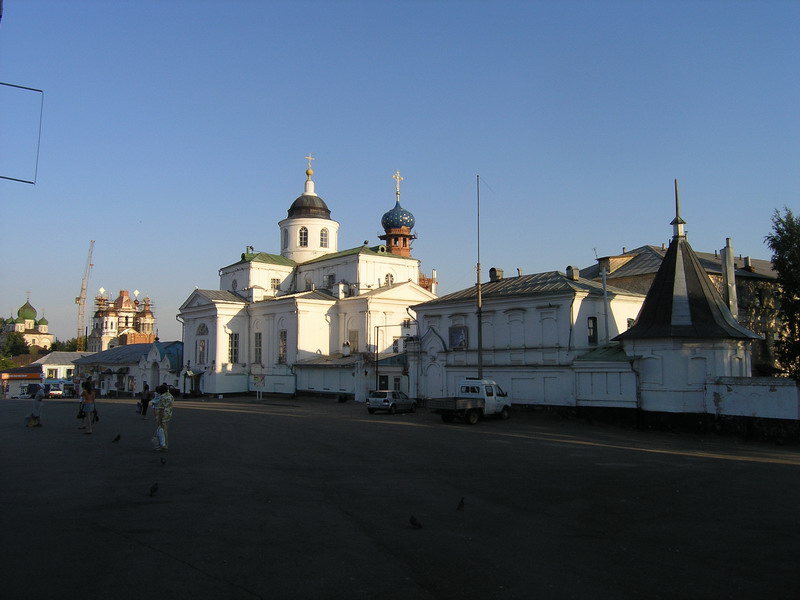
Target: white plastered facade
x=530, y=347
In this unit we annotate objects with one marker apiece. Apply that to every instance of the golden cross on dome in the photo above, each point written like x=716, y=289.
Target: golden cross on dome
x=398, y=179
x=309, y=171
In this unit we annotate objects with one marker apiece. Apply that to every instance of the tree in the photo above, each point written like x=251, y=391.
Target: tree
x=70, y=345
x=784, y=241
x=14, y=344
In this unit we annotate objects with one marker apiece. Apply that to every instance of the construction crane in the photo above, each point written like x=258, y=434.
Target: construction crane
x=81, y=300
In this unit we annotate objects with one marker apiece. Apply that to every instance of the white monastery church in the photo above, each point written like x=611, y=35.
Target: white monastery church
x=312, y=319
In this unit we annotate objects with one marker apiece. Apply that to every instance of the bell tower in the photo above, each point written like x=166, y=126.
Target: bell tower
x=308, y=230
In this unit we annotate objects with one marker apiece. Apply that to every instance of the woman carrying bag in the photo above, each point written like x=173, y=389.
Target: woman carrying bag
x=163, y=417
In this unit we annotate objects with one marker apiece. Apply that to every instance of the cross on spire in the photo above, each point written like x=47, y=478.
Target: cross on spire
x=398, y=179
x=309, y=158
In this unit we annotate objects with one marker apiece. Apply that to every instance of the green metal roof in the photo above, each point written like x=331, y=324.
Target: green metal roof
x=265, y=257
x=379, y=250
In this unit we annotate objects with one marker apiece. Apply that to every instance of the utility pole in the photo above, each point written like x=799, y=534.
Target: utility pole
x=479, y=299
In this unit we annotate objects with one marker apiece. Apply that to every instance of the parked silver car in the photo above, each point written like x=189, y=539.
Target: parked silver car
x=390, y=400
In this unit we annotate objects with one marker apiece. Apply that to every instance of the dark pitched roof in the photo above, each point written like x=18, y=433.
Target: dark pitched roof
x=646, y=260
x=683, y=303
x=130, y=353
x=222, y=296
x=60, y=358
x=26, y=369
x=305, y=295
x=613, y=353
x=538, y=284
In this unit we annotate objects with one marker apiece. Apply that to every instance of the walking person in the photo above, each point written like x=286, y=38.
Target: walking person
x=87, y=402
x=164, y=416
x=35, y=418
x=145, y=402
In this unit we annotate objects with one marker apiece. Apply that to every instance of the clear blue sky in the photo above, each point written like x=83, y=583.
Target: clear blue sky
x=174, y=133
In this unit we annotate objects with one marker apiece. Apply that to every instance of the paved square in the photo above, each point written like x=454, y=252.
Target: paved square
x=309, y=498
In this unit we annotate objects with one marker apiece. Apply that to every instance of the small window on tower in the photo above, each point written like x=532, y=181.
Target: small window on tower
x=323, y=238
x=592, y=325
x=303, y=239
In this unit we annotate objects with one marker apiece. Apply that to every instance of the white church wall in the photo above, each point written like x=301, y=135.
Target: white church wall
x=314, y=330
x=290, y=231
x=242, y=277
x=341, y=269
x=372, y=274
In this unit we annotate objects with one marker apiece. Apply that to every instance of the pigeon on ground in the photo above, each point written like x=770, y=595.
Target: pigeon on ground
x=461, y=504
x=116, y=439
x=414, y=523
x=153, y=489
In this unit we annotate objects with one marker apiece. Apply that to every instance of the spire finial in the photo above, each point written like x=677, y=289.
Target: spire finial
x=677, y=222
x=309, y=171
x=398, y=179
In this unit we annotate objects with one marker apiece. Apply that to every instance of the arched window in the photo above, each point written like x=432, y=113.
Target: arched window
x=323, y=238
x=285, y=241
x=389, y=279
x=303, y=237
x=201, y=345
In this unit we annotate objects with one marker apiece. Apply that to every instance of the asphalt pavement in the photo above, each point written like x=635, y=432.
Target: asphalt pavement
x=310, y=498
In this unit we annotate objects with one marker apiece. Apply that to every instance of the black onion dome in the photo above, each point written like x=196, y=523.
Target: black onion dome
x=309, y=205
x=396, y=218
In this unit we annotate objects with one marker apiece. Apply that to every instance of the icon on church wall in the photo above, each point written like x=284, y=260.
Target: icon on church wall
x=458, y=337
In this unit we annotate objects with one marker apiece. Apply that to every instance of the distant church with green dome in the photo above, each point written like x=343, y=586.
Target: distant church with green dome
x=32, y=329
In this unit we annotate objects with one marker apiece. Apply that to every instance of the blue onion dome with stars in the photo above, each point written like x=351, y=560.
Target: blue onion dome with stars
x=396, y=218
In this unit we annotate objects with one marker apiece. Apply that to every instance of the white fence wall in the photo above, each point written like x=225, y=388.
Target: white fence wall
x=763, y=397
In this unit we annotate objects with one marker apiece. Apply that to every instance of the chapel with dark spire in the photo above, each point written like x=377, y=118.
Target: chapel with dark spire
x=682, y=302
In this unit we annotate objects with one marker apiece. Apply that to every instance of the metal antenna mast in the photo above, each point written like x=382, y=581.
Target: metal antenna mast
x=81, y=301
